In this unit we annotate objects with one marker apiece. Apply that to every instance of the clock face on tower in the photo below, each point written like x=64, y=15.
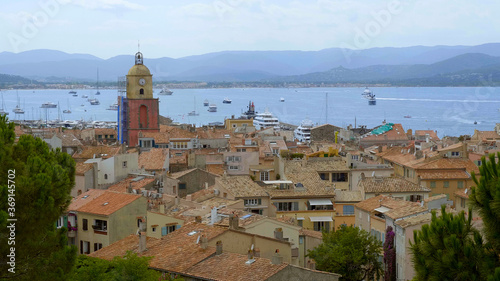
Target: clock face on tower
x=142, y=81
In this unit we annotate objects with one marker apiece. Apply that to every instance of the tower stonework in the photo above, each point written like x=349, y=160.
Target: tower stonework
x=138, y=110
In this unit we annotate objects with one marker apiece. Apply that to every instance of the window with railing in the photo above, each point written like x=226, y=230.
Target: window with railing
x=100, y=225
x=253, y=202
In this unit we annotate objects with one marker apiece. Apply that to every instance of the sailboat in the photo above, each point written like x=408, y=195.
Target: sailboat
x=194, y=113
x=97, y=85
x=18, y=109
x=67, y=110
x=2, y=110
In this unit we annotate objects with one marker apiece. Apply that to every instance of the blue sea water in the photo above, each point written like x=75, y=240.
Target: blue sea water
x=448, y=110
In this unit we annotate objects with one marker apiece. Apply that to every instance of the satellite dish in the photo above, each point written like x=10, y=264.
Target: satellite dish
x=466, y=191
x=198, y=240
x=373, y=174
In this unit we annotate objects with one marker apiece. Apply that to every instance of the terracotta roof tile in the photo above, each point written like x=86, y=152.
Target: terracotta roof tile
x=154, y=159
x=397, y=133
x=449, y=163
x=233, y=267
x=452, y=147
x=461, y=193
x=434, y=198
x=312, y=233
x=137, y=183
x=68, y=140
x=106, y=203
x=105, y=131
x=84, y=198
x=389, y=185
x=432, y=134
x=240, y=186
x=182, y=173
x=159, y=137
x=438, y=175
x=415, y=220
x=82, y=168
x=375, y=202
x=98, y=151
x=178, y=133
x=411, y=209
x=347, y=196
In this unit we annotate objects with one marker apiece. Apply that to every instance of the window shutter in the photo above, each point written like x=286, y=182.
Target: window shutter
x=65, y=221
x=259, y=201
x=295, y=206
x=95, y=247
x=177, y=226
x=164, y=231
x=85, y=226
x=81, y=246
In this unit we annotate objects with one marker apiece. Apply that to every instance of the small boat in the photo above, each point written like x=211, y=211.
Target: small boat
x=75, y=95
x=205, y=103
x=250, y=113
x=94, y=102
x=2, y=110
x=212, y=108
x=48, y=105
x=18, y=109
x=85, y=96
x=282, y=99
x=114, y=106
x=193, y=113
x=226, y=100
x=72, y=92
x=82, y=104
x=67, y=111
x=407, y=116
x=165, y=92
x=475, y=122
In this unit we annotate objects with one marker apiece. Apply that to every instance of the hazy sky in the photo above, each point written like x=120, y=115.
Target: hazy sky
x=107, y=28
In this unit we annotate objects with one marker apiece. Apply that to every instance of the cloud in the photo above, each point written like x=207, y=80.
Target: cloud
x=107, y=4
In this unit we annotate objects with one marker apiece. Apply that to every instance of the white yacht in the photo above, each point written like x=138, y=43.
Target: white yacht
x=165, y=92
x=49, y=105
x=282, y=99
x=226, y=100
x=265, y=120
x=205, y=103
x=114, y=106
x=303, y=132
x=212, y=108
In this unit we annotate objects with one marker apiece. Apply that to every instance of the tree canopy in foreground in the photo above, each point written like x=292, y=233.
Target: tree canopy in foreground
x=351, y=252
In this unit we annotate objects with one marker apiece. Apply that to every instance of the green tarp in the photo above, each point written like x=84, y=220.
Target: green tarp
x=382, y=129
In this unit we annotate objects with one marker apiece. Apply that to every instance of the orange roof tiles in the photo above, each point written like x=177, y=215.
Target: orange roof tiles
x=233, y=267
x=103, y=151
x=178, y=133
x=443, y=175
x=379, y=201
x=449, y=163
x=389, y=185
x=432, y=134
x=84, y=199
x=240, y=186
x=159, y=137
x=136, y=182
x=105, y=131
x=397, y=133
x=105, y=203
x=411, y=209
x=311, y=233
x=82, y=168
x=153, y=159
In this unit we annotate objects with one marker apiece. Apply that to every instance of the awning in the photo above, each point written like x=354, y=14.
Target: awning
x=382, y=209
x=277, y=182
x=316, y=202
x=315, y=219
x=300, y=219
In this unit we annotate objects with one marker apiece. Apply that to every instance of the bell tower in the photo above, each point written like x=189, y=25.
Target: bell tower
x=138, y=111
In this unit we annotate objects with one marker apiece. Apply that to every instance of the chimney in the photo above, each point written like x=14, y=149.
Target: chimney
x=218, y=247
x=204, y=242
x=214, y=216
x=277, y=258
x=162, y=208
x=233, y=222
x=142, y=242
x=129, y=190
x=256, y=253
x=206, y=185
x=278, y=233
x=250, y=254
x=197, y=219
x=177, y=200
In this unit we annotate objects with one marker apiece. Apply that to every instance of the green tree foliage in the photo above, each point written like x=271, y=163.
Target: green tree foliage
x=129, y=267
x=351, y=252
x=485, y=198
x=43, y=181
x=450, y=248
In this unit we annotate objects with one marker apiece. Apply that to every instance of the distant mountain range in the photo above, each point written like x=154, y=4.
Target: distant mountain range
x=409, y=65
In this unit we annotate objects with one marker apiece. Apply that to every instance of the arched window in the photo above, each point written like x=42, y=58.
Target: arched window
x=141, y=91
x=143, y=116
